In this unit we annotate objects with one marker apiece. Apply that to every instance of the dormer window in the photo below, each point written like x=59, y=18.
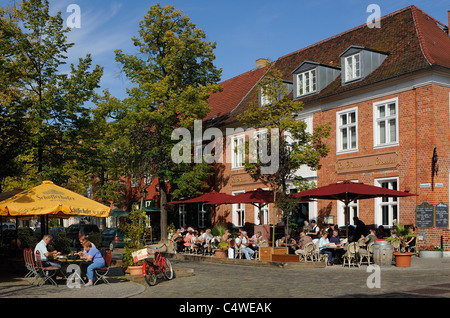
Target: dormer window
x=312, y=77
x=358, y=62
x=306, y=82
x=352, y=67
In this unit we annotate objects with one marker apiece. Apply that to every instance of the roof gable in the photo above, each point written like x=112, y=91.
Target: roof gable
x=411, y=40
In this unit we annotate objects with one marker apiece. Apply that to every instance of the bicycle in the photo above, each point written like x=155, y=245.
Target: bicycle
x=157, y=267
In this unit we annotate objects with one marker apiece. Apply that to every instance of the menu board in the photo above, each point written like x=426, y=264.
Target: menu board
x=441, y=215
x=425, y=215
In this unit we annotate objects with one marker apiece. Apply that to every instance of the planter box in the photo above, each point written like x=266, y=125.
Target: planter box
x=285, y=258
x=431, y=254
x=265, y=253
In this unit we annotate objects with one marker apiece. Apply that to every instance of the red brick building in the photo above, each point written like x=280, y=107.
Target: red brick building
x=386, y=92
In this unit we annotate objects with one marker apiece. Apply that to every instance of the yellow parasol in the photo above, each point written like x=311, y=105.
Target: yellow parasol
x=52, y=200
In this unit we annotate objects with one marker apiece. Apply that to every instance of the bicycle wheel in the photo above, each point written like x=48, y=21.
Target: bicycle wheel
x=150, y=276
x=167, y=269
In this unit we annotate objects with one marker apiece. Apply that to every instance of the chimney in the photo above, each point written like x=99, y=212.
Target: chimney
x=263, y=62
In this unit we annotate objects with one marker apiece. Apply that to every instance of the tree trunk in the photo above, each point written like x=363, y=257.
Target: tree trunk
x=163, y=207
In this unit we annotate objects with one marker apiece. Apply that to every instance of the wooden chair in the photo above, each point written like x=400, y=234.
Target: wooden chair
x=100, y=273
x=46, y=272
x=316, y=251
x=256, y=255
x=351, y=254
x=308, y=252
x=361, y=241
x=237, y=251
x=366, y=253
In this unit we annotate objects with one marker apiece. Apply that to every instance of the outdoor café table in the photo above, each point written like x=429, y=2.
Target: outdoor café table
x=337, y=251
x=74, y=274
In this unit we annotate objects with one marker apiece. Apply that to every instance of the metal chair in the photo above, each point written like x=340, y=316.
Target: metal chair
x=29, y=264
x=46, y=272
x=100, y=273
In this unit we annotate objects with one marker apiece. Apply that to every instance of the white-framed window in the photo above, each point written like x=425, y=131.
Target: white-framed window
x=260, y=139
x=201, y=216
x=353, y=209
x=182, y=214
x=386, y=129
x=265, y=100
x=352, y=67
x=347, y=130
x=238, y=209
x=238, y=151
x=264, y=217
x=386, y=209
x=306, y=82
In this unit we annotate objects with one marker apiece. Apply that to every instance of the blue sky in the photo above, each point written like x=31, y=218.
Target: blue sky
x=244, y=30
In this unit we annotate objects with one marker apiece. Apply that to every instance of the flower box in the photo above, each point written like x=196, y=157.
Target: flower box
x=431, y=254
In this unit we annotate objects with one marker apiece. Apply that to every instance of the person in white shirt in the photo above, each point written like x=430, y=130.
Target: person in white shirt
x=45, y=254
x=242, y=241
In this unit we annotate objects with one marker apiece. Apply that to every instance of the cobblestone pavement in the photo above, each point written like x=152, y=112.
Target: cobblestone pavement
x=255, y=280
x=425, y=278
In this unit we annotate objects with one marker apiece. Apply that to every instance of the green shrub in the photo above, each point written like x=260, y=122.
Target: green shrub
x=62, y=243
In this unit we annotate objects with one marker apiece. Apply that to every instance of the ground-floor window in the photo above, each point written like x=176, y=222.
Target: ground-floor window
x=201, y=216
x=386, y=209
x=353, y=211
x=182, y=214
x=263, y=216
x=238, y=212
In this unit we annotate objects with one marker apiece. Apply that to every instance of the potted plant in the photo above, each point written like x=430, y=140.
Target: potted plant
x=430, y=251
x=401, y=237
x=133, y=230
x=222, y=249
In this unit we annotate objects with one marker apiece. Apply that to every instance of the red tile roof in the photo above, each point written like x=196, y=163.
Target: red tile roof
x=234, y=91
x=412, y=39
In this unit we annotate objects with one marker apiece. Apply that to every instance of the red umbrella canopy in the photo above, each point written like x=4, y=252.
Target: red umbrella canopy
x=205, y=198
x=255, y=196
x=348, y=191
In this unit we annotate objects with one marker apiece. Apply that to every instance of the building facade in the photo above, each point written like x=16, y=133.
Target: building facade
x=386, y=93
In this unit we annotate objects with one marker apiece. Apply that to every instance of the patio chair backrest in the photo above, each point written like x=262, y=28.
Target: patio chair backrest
x=108, y=258
x=370, y=247
x=38, y=259
x=361, y=241
x=353, y=248
x=309, y=248
x=26, y=258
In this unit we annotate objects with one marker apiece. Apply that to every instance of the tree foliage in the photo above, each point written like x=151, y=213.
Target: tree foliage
x=173, y=75
x=46, y=103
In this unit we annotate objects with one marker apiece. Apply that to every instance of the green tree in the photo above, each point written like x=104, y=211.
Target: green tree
x=287, y=140
x=52, y=100
x=173, y=76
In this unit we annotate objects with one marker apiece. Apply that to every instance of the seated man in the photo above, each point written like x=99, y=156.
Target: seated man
x=45, y=254
x=304, y=239
x=242, y=242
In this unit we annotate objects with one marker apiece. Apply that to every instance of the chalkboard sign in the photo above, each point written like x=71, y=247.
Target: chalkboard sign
x=441, y=215
x=425, y=215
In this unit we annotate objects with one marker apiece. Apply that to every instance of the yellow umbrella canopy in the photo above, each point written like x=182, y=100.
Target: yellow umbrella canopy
x=50, y=199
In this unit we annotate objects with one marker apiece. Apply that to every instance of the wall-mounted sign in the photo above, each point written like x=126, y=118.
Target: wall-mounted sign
x=441, y=215
x=425, y=215
x=382, y=161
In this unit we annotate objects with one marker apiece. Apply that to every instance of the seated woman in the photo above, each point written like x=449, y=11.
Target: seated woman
x=95, y=259
x=323, y=243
